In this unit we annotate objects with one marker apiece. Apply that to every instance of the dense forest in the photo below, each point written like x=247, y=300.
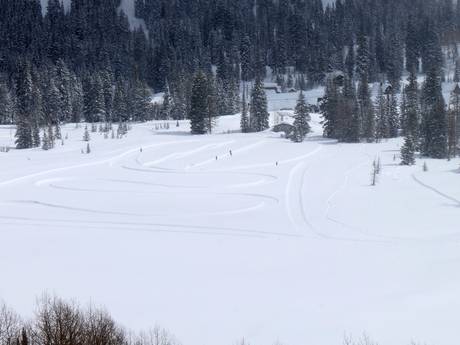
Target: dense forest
x=87, y=64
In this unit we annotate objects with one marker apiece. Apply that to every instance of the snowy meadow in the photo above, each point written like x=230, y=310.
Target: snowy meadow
x=229, y=236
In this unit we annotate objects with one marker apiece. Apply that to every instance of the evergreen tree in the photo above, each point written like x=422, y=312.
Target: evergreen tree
x=244, y=122
x=392, y=114
x=411, y=110
x=382, y=130
x=301, y=118
x=199, y=104
x=24, y=122
x=120, y=107
x=366, y=110
x=434, y=120
x=350, y=122
x=408, y=151
x=246, y=61
x=329, y=109
x=259, y=115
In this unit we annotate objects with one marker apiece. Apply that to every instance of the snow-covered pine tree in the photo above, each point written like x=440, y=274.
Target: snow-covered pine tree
x=362, y=56
x=301, y=118
x=64, y=86
x=329, y=108
x=366, y=110
x=199, y=104
x=348, y=119
x=141, y=101
x=258, y=112
x=434, y=119
x=77, y=100
x=244, y=122
x=411, y=115
x=167, y=105
x=24, y=120
x=350, y=61
x=381, y=116
x=392, y=114
x=120, y=109
x=94, y=103
x=246, y=59
x=213, y=109
x=408, y=151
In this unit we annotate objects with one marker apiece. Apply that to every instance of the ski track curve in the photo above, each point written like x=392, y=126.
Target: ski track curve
x=180, y=228
x=436, y=191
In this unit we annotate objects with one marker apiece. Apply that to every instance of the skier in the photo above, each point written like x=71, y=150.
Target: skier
x=231, y=153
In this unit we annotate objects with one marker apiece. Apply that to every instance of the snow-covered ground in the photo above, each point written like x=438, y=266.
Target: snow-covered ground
x=299, y=252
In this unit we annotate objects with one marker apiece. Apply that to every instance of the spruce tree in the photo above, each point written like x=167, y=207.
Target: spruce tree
x=392, y=114
x=329, y=108
x=366, y=110
x=434, y=119
x=382, y=130
x=411, y=110
x=120, y=108
x=259, y=115
x=408, y=151
x=24, y=121
x=301, y=118
x=199, y=104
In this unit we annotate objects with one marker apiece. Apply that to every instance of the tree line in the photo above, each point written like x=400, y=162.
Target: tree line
x=59, y=322
x=88, y=64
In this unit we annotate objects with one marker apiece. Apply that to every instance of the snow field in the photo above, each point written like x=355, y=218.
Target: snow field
x=299, y=252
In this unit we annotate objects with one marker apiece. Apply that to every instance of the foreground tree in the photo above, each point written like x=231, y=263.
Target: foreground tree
x=259, y=113
x=199, y=104
x=408, y=151
x=301, y=118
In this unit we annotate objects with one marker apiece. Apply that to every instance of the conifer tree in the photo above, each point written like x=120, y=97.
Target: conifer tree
x=434, y=119
x=366, y=110
x=258, y=112
x=411, y=110
x=408, y=151
x=244, y=122
x=120, y=109
x=24, y=93
x=199, y=104
x=382, y=130
x=350, y=121
x=301, y=118
x=329, y=108
x=392, y=114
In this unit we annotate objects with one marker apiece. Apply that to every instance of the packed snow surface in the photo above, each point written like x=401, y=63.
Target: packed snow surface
x=276, y=241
